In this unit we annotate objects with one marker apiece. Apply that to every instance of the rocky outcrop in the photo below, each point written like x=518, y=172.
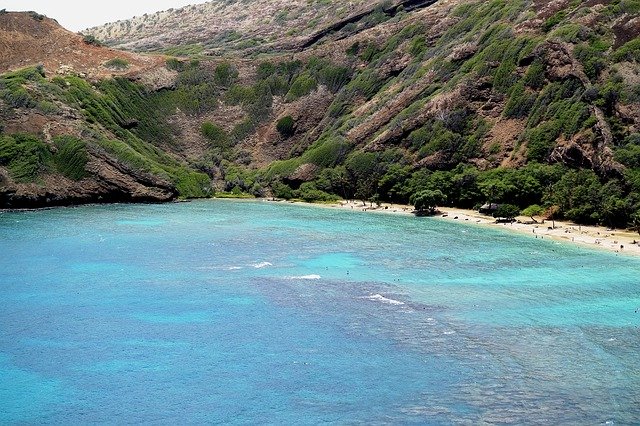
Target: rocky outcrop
x=110, y=181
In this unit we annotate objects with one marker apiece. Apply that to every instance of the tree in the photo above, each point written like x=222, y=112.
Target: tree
x=506, y=211
x=285, y=126
x=533, y=210
x=427, y=200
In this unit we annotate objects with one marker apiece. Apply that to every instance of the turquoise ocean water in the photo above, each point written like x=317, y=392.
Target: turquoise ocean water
x=267, y=313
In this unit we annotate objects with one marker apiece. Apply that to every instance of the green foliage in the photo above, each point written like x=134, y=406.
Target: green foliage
x=577, y=194
x=333, y=77
x=12, y=87
x=185, y=50
x=541, y=141
x=630, y=51
x=281, y=190
x=225, y=74
x=629, y=151
x=286, y=126
x=192, y=184
x=326, y=152
x=309, y=193
x=506, y=211
x=118, y=64
x=25, y=156
x=301, y=86
x=519, y=103
x=417, y=46
x=71, y=157
x=366, y=84
x=534, y=78
x=554, y=20
x=215, y=134
x=533, y=210
x=91, y=40
x=175, y=64
x=592, y=58
x=428, y=200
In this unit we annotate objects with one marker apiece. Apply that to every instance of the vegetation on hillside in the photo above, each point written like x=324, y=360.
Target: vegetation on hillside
x=510, y=102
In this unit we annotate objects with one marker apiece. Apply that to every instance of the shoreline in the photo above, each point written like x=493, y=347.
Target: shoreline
x=587, y=236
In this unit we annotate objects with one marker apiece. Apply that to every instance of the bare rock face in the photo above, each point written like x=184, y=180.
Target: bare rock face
x=304, y=173
x=156, y=79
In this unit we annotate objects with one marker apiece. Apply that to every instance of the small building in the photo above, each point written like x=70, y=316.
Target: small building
x=489, y=208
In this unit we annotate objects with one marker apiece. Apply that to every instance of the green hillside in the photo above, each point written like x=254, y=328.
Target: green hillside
x=534, y=104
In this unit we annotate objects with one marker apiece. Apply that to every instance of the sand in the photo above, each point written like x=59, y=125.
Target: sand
x=618, y=241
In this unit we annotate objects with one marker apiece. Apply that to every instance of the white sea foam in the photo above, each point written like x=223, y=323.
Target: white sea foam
x=305, y=277
x=233, y=268
x=381, y=298
x=262, y=265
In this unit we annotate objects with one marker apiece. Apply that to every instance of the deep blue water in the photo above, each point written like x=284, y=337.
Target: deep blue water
x=265, y=313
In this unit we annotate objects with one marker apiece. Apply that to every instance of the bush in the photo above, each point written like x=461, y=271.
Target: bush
x=225, y=74
x=520, y=102
x=301, y=86
x=25, y=156
x=71, y=157
x=118, y=64
x=91, y=40
x=506, y=211
x=308, y=192
x=428, y=200
x=533, y=210
x=630, y=51
x=285, y=126
x=334, y=77
x=175, y=64
x=215, y=134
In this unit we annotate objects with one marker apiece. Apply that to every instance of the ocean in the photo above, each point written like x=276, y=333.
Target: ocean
x=250, y=312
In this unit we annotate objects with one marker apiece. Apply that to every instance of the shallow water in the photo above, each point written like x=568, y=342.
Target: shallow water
x=252, y=312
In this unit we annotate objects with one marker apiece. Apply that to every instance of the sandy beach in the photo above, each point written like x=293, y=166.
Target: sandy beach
x=618, y=241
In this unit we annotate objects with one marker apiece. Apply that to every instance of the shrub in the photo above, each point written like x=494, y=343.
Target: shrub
x=285, y=126
x=71, y=157
x=428, y=200
x=118, y=64
x=326, y=153
x=534, y=77
x=175, y=64
x=533, y=210
x=215, y=134
x=554, y=20
x=541, y=141
x=225, y=74
x=281, y=190
x=334, y=77
x=91, y=40
x=506, y=211
x=301, y=86
x=36, y=16
x=308, y=192
x=417, y=46
x=25, y=156
x=630, y=51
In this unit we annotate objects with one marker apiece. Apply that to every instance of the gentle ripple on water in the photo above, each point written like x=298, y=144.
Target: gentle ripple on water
x=250, y=312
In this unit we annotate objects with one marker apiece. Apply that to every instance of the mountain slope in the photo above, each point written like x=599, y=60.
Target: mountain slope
x=51, y=151
x=527, y=103
x=224, y=25
x=30, y=39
